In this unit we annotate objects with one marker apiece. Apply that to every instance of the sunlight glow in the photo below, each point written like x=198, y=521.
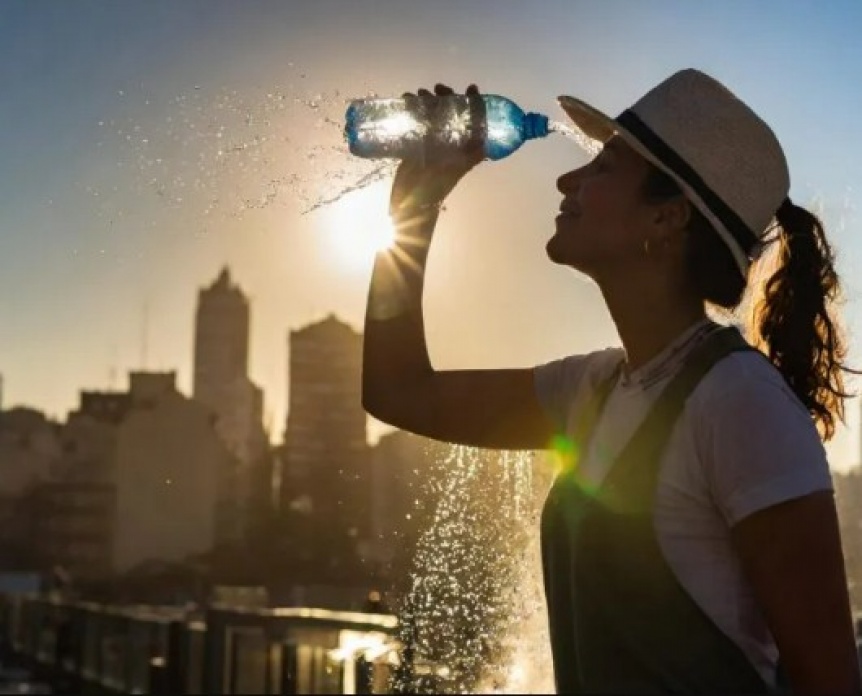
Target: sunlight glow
x=358, y=226
x=393, y=128
x=352, y=644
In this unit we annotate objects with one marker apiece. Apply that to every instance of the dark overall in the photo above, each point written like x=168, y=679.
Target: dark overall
x=620, y=622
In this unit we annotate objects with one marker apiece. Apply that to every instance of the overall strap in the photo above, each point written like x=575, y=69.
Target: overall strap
x=635, y=471
x=587, y=417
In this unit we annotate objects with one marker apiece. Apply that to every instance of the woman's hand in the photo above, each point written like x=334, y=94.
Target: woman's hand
x=423, y=182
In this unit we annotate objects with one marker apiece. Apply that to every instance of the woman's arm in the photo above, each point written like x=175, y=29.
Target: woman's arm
x=483, y=408
x=791, y=553
x=769, y=477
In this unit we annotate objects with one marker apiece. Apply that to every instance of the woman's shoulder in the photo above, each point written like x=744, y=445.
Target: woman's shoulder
x=756, y=443
x=744, y=380
x=574, y=370
x=560, y=383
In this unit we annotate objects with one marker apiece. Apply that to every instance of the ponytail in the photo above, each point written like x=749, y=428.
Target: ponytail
x=795, y=321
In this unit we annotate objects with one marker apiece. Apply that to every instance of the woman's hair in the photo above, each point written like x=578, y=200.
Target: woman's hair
x=792, y=320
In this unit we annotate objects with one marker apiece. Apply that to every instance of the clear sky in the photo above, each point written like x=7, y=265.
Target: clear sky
x=144, y=145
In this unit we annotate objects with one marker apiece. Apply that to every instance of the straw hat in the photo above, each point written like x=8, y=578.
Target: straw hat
x=725, y=159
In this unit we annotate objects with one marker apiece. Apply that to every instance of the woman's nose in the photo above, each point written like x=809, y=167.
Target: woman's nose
x=568, y=181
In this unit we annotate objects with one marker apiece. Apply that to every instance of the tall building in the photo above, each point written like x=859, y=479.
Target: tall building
x=221, y=341
x=325, y=482
x=90, y=437
x=170, y=476
x=221, y=383
x=30, y=450
x=848, y=501
x=72, y=527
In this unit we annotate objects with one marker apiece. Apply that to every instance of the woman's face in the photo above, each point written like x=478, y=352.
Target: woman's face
x=604, y=217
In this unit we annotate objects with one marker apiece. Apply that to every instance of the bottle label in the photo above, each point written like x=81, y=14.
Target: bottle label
x=453, y=123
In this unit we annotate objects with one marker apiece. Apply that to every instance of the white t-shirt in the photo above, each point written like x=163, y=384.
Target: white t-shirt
x=743, y=442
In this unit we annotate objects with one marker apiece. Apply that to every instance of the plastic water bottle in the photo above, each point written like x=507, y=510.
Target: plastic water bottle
x=397, y=128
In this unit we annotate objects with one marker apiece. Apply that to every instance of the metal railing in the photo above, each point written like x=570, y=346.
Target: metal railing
x=222, y=650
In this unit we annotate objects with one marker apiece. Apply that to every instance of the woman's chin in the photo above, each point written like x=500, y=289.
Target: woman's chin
x=563, y=254
x=556, y=250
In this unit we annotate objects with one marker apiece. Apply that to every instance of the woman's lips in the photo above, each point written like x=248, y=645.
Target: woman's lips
x=568, y=209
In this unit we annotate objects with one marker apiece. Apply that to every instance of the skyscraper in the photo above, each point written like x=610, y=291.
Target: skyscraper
x=325, y=481
x=221, y=342
x=325, y=373
x=221, y=383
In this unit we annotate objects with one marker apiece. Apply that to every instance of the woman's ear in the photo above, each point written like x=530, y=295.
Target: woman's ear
x=672, y=216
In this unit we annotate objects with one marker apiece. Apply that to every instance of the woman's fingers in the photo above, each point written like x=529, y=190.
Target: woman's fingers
x=442, y=90
x=430, y=105
x=411, y=100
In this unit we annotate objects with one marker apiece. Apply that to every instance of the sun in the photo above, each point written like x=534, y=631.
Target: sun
x=359, y=225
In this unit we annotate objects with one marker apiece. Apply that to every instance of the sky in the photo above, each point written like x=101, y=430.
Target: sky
x=145, y=145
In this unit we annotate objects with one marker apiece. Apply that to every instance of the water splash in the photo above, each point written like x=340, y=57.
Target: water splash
x=215, y=154
x=586, y=143
x=379, y=173
x=474, y=615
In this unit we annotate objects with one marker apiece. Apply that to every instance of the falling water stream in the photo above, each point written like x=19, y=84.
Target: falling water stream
x=475, y=614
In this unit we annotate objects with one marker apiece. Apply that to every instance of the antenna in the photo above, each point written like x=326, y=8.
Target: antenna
x=145, y=330
x=112, y=368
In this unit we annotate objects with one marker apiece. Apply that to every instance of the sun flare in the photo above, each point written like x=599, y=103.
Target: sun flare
x=359, y=225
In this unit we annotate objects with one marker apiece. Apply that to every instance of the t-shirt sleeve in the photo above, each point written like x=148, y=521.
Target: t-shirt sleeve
x=761, y=448
x=559, y=382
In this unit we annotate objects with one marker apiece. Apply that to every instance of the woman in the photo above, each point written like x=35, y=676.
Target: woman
x=691, y=543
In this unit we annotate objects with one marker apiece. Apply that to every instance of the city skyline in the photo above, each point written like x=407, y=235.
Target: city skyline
x=148, y=477
x=211, y=396
x=148, y=145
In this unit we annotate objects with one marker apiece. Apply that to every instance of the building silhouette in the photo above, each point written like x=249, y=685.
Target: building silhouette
x=848, y=500
x=170, y=465
x=221, y=383
x=30, y=448
x=72, y=527
x=131, y=477
x=325, y=483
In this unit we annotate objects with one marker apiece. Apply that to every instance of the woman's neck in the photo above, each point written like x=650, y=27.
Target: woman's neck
x=648, y=321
